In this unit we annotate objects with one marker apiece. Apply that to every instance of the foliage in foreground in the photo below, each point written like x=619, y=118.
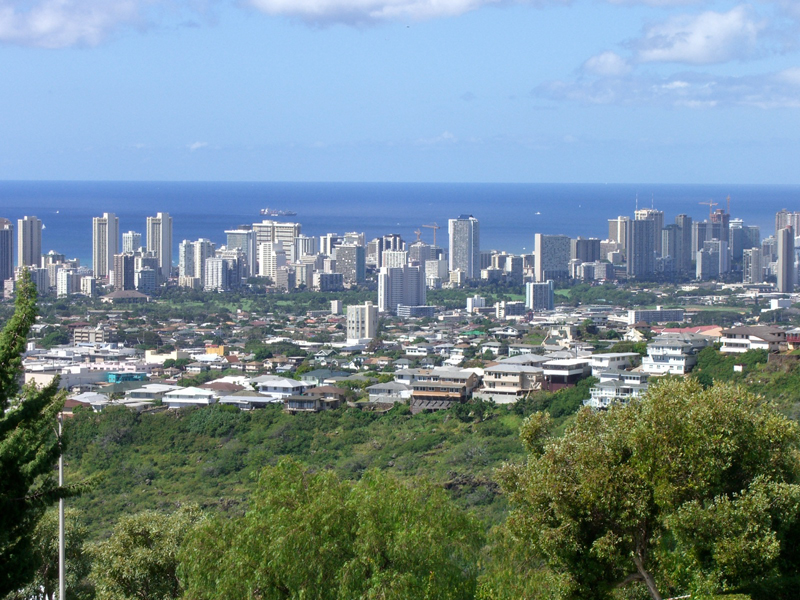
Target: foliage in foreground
x=687, y=491
x=29, y=448
x=318, y=537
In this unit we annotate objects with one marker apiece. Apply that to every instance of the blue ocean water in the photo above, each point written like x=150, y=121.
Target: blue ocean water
x=509, y=214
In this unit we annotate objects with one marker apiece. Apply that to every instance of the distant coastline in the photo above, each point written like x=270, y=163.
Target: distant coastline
x=509, y=214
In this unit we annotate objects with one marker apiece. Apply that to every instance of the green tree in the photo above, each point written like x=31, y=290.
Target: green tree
x=140, y=560
x=29, y=447
x=686, y=491
x=314, y=536
x=44, y=586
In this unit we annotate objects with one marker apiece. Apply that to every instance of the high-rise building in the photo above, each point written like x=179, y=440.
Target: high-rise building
x=786, y=269
x=271, y=257
x=465, y=245
x=671, y=239
x=328, y=243
x=540, y=296
x=244, y=239
x=551, y=257
x=203, y=250
x=785, y=218
x=752, y=270
x=131, y=241
x=186, y=259
x=419, y=252
x=641, y=248
x=275, y=231
x=394, y=258
x=362, y=321
x=29, y=242
x=585, y=250
x=699, y=235
x=684, y=223
x=6, y=251
x=351, y=262
x=657, y=217
x=124, y=269
x=159, y=242
x=216, y=275
x=400, y=285
x=105, y=244
x=618, y=231
x=719, y=223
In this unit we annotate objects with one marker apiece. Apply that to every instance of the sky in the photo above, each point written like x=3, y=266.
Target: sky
x=573, y=91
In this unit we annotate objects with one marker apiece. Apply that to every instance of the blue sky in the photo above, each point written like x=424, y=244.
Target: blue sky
x=670, y=91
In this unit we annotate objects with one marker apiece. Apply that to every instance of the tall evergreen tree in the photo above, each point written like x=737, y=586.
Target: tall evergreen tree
x=29, y=447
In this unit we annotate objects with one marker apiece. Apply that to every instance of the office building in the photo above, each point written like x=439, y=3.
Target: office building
x=362, y=321
x=786, y=268
x=6, y=251
x=29, y=242
x=105, y=244
x=159, y=242
x=328, y=243
x=657, y=217
x=551, y=257
x=641, y=248
x=719, y=224
x=351, y=262
x=540, y=296
x=419, y=252
x=400, y=285
x=465, y=246
x=145, y=280
x=275, y=231
x=752, y=269
x=131, y=242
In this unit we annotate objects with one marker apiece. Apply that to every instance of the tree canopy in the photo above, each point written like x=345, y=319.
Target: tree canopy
x=688, y=490
x=29, y=447
x=312, y=535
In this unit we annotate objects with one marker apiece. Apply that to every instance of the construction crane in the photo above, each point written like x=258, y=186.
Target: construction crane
x=433, y=226
x=419, y=233
x=711, y=204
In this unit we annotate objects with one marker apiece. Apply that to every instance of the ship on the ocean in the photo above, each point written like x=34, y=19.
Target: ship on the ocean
x=272, y=212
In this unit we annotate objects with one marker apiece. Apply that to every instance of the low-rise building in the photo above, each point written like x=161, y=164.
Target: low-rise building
x=505, y=383
x=762, y=337
x=673, y=353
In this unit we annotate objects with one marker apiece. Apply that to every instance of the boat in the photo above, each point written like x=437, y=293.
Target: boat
x=272, y=212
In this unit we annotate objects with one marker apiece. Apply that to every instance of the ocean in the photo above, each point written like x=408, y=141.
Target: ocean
x=509, y=214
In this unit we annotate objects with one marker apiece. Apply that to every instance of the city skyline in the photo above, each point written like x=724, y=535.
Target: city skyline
x=401, y=90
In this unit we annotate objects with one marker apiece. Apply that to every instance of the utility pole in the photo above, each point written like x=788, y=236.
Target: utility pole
x=61, y=582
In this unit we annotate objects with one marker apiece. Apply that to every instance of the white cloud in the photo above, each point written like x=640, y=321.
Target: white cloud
x=688, y=90
x=607, y=64
x=710, y=37
x=197, y=146
x=374, y=11
x=61, y=23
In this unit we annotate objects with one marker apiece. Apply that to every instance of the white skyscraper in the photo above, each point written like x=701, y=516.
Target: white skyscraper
x=29, y=242
x=105, y=244
x=465, y=247
x=401, y=285
x=131, y=242
x=159, y=241
x=551, y=259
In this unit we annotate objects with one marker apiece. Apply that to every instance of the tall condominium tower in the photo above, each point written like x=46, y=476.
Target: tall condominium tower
x=400, y=285
x=6, y=251
x=618, y=231
x=131, y=241
x=551, y=260
x=105, y=244
x=465, y=245
x=29, y=242
x=684, y=223
x=159, y=241
x=786, y=269
x=362, y=321
x=244, y=239
x=752, y=269
x=657, y=217
x=785, y=218
x=641, y=248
